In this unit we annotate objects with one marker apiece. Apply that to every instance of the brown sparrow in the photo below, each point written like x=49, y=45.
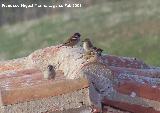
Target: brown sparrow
x=99, y=51
x=87, y=45
x=50, y=72
x=94, y=48
x=73, y=40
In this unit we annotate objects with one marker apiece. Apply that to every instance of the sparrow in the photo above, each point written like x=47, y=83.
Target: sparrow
x=99, y=51
x=87, y=44
x=73, y=40
x=50, y=72
x=94, y=48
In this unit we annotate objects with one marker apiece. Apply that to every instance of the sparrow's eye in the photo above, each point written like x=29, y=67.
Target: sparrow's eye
x=50, y=67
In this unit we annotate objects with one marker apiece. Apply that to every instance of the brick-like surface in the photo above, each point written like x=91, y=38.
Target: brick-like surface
x=15, y=64
x=33, y=86
x=140, y=90
x=133, y=108
x=87, y=109
x=70, y=100
x=127, y=62
x=22, y=80
x=154, y=73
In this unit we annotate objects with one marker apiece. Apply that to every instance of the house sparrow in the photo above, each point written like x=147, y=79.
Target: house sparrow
x=94, y=48
x=50, y=72
x=99, y=51
x=87, y=45
x=73, y=40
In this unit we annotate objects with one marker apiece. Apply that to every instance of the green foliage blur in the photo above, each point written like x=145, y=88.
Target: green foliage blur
x=121, y=27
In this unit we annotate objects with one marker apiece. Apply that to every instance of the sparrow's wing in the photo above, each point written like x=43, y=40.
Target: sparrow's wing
x=70, y=40
x=67, y=42
x=90, y=44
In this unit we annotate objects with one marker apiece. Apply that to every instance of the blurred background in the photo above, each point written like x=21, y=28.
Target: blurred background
x=121, y=27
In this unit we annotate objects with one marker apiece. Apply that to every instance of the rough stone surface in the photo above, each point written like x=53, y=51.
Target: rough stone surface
x=66, y=101
x=127, y=62
x=65, y=58
x=125, y=83
x=18, y=91
x=87, y=109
